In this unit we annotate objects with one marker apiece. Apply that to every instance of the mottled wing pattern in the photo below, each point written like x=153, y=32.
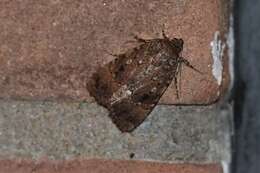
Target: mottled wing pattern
x=131, y=85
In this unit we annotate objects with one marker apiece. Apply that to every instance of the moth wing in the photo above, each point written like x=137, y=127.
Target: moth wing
x=127, y=115
x=100, y=86
x=130, y=112
x=111, y=77
x=108, y=79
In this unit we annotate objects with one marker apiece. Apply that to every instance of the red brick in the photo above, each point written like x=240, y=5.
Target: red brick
x=50, y=48
x=103, y=166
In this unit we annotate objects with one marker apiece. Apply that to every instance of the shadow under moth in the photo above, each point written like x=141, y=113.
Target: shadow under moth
x=131, y=85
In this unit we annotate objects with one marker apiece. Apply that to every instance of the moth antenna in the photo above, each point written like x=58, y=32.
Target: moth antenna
x=109, y=53
x=130, y=41
x=187, y=63
x=139, y=39
x=164, y=35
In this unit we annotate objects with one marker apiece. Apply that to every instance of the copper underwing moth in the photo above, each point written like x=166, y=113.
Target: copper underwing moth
x=131, y=85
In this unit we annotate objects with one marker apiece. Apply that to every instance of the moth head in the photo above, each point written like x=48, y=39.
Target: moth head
x=177, y=44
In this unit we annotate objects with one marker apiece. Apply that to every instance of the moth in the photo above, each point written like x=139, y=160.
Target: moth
x=131, y=85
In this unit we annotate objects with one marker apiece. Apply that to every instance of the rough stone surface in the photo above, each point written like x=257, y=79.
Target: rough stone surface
x=66, y=131
x=102, y=166
x=49, y=48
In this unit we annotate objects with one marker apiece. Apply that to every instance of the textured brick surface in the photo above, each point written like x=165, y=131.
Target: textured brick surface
x=49, y=48
x=103, y=166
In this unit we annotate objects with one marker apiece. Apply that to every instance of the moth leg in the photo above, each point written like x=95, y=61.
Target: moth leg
x=176, y=82
x=187, y=63
x=176, y=86
x=178, y=71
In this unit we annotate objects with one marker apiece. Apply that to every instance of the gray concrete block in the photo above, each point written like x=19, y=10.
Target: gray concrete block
x=69, y=130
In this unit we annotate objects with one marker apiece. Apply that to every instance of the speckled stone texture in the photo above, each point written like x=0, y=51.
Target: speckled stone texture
x=66, y=131
x=49, y=48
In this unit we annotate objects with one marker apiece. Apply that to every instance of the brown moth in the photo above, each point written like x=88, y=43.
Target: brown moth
x=131, y=85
